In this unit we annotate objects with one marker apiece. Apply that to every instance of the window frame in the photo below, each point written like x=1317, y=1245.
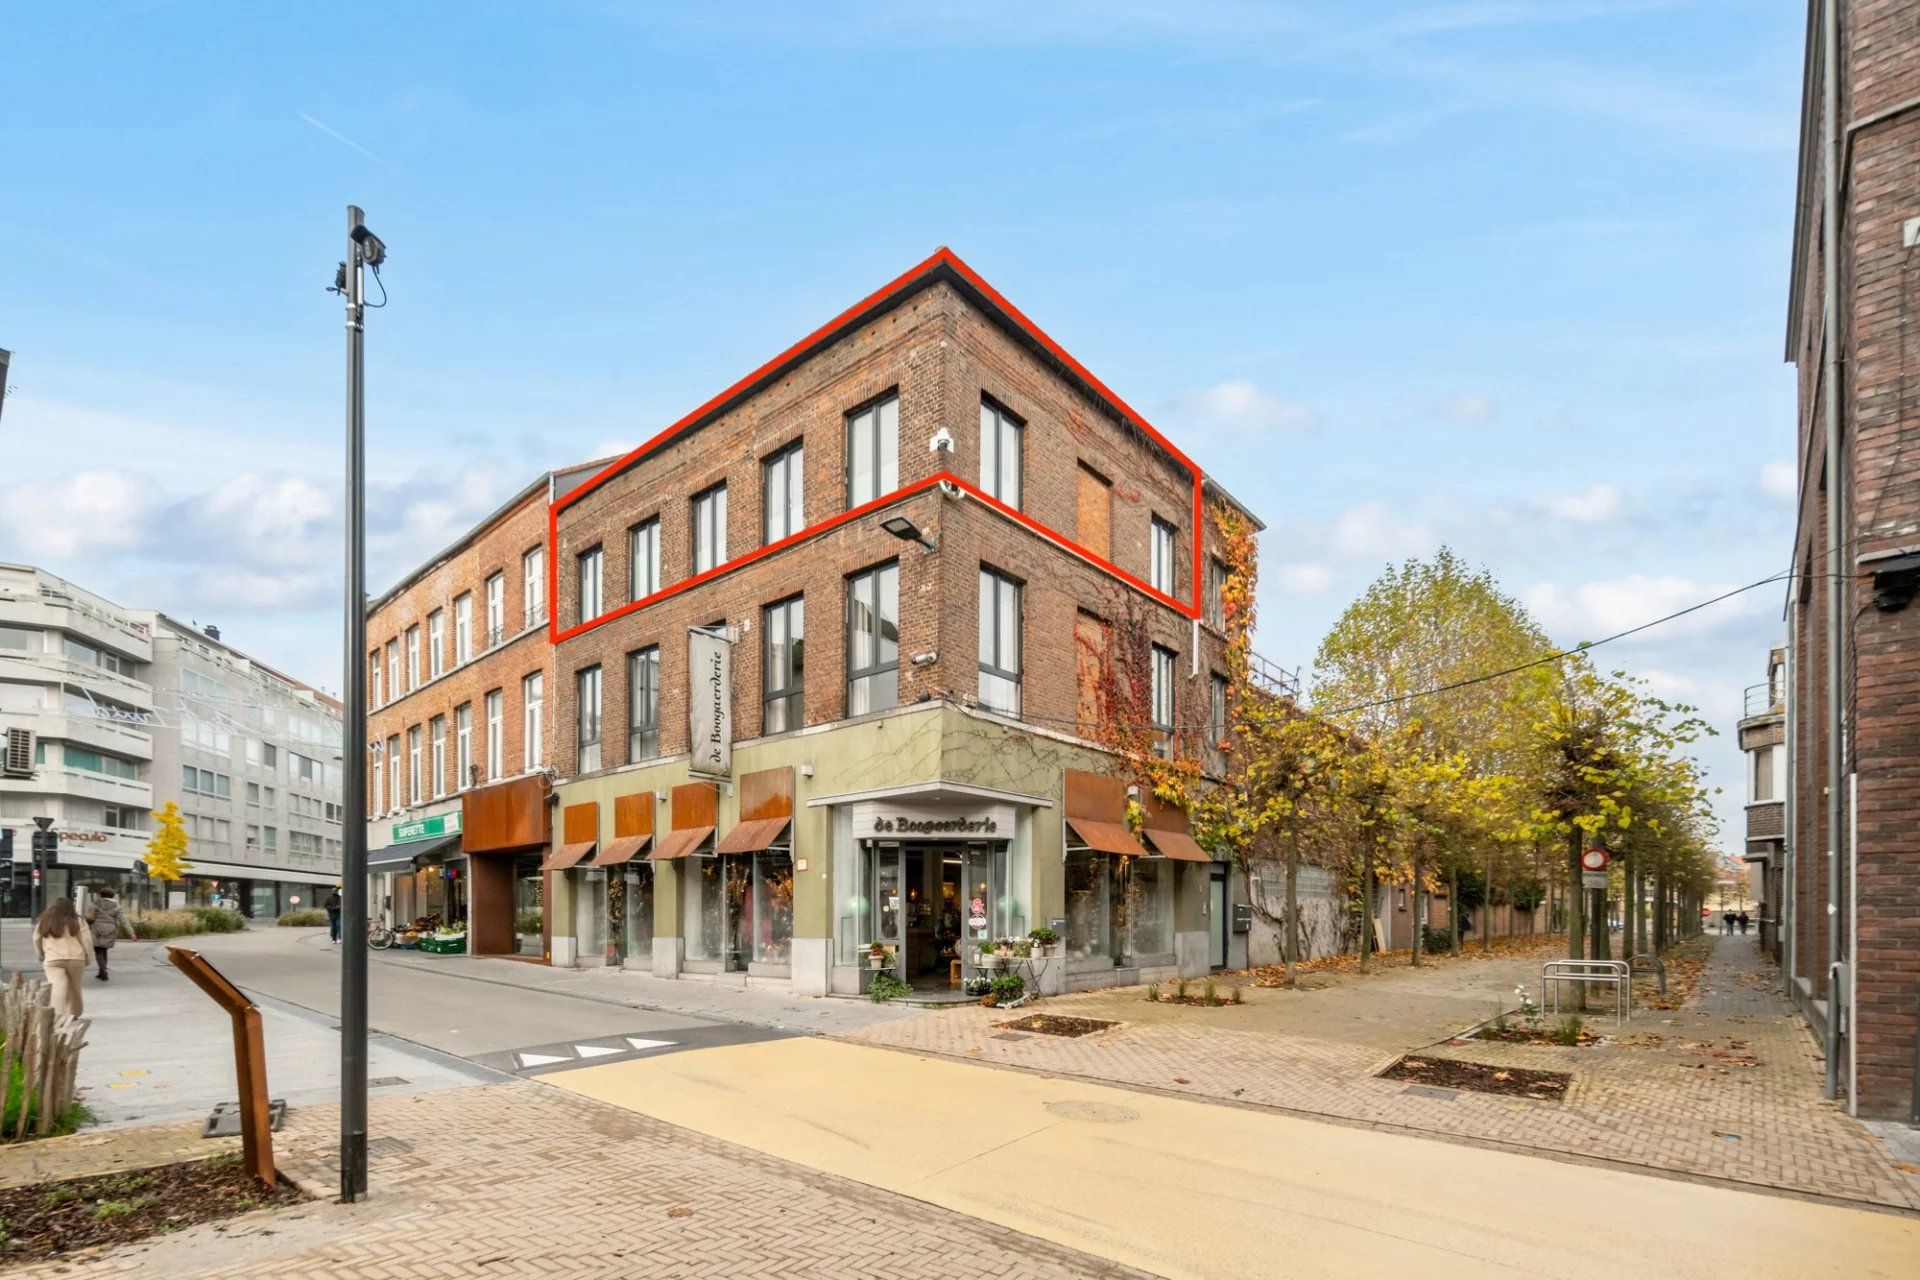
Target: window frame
x=415, y=734
x=496, y=598
x=1165, y=660
x=992, y=600
x=790, y=462
x=437, y=748
x=649, y=531
x=643, y=734
x=495, y=703
x=1213, y=606
x=463, y=746
x=707, y=511
x=876, y=574
x=589, y=569
x=1163, y=573
x=533, y=586
x=789, y=697
x=463, y=628
x=533, y=729
x=436, y=644
x=882, y=483
x=1004, y=423
x=586, y=719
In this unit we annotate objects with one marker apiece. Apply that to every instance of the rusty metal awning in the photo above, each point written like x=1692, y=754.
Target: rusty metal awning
x=680, y=843
x=752, y=835
x=621, y=849
x=1106, y=837
x=567, y=855
x=1177, y=844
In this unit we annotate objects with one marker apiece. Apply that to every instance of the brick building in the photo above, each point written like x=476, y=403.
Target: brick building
x=1763, y=732
x=884, y=574
x=459, y=730
x=1853, y=860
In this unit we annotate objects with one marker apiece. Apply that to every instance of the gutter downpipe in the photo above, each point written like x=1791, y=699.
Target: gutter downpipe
x=1789, y=889
x=1830, y=388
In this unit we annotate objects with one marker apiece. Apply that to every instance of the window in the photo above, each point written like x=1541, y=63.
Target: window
x=589, y=585
x=999, y=643
x=643, y=704
x=587, y=715
x=253, y=795
x=379, y=791
x=643, y=559
x=496, y=609
x=1163, y=694
x=873, y=639
x=437, y=642
x=1217, y=723
x=393, y=671
x=462, y=628
x=19, y=638
x=1000, y=434
x=533, y=718
x=373, y=665
x=1763, y=773
x=438, y=735
x=783, y=667
x=82, y=652
x=78, y=757
x=393, y=774
x=1093, y=512
x=496, y=734
x=270, y=839
x=783, y=508
x=1092, y=641
x=1163, y=574
x=202, y=782
x=533, y=587
x=1215, y=603
x=710, y=528
x=414, y=790
x=413, y=657
x=463, y=745
x=873, y=450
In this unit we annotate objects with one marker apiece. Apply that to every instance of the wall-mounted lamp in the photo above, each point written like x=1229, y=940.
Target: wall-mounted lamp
x=806, y=771
x=906, y=530
x=1896, y=578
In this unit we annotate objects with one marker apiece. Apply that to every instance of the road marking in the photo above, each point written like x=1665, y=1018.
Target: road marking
x=596, y=1050
x=639, y=1043
x=541, y=1059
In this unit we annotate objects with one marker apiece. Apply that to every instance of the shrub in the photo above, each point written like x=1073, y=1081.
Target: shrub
x=1153, y=993
x=1008, y=986
x=218, y=919
x=1567, y=1033
x=886, y=987
x=528, y=922
x=1434, y=939
x=1209, y=994
x=184, y=923
x=306, y=918
x=1044, y=935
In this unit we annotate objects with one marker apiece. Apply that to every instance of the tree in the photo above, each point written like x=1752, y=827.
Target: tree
x=167, y=851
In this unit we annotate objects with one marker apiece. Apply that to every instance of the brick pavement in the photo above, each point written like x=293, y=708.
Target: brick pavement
x=1671, y=1107
x=522, y=1180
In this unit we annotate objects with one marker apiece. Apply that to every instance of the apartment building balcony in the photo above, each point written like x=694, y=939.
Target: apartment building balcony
x=1766, y=821
x=53, y=779
x=46, y=608
x=110, y=736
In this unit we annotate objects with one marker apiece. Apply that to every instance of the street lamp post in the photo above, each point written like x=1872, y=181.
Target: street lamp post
x=364, y=250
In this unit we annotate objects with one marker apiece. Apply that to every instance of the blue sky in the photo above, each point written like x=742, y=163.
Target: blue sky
x=1508, y=276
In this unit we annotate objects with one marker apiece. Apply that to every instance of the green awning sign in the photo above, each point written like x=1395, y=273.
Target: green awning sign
x=439, y=825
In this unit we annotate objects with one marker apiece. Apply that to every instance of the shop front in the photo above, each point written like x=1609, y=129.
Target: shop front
x=420, y=879
x=1125, y=892
x=505, y=832
x=736, y=906
x=936, y=880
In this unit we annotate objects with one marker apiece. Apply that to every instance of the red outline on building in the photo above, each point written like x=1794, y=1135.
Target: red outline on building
x=941, y=258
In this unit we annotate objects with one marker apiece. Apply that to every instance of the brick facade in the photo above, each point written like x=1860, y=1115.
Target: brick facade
x=1880, y=483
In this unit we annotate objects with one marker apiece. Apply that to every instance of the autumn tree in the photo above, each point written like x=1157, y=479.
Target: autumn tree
x=167, y=850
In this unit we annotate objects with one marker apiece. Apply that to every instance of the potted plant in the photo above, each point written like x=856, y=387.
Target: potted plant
x=1046, y=939
x=989, y=953
x=879, y=956
x=1006, y=989
x=978, y=985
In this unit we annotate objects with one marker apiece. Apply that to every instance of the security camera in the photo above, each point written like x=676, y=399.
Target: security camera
x=942, y=442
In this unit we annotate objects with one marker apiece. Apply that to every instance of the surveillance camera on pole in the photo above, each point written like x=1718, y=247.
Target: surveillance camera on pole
x=365, y=252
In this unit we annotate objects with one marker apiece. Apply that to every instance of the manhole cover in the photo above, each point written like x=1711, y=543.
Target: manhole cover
x=1092, y=1112
x=1428, y=1091
x=388, y=1146
x=1008, y=1035
x=385, y=1082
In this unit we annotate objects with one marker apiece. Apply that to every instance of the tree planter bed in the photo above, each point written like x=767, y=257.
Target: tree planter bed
x=1048, y=1024
x=1449, y=1073
x=51, y=1219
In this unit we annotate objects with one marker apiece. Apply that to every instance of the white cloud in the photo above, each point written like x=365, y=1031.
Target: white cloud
x=252, y=591
x=1239, y=404
x=1595, y=504
x=87, y=513
x=1371, y=531
x=262, y=519
x=1302, y=579
x=1474, y=409
x=1780, y=479
x=1593, y=610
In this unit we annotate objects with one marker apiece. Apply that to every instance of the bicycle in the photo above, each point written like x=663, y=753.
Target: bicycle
x=379, y=934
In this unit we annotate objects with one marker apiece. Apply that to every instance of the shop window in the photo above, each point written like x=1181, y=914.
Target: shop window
x=783, y=666
x=999, y=643
x=635, y=916
x=769, y=926
x=1119, y=909
x=590, y=911
x=873, y=640
x=873, y=450
x=1089, y=909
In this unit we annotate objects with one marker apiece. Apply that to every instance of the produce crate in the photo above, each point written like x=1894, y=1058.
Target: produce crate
x=444, y=946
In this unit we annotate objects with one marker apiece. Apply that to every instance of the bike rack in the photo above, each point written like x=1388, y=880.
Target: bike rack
x=1617, y=974
x=1653, y=963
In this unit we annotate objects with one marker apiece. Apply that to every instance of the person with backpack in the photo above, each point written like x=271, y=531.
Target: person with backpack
x=60, y=940
x=104, y=920
x=332, y=905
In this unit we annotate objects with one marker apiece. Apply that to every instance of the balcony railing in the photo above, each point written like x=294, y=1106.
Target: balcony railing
x=1275, y=679
x=1763, y=699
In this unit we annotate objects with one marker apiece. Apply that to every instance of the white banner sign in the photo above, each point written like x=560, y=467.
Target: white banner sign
x=907, y=819
x=710, y=704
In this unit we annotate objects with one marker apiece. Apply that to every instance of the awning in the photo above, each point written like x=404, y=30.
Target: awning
x=1177, y=844
x=621, y=850
x=679, y=844
x=1106, y=837
x=752, y=836
x=396, y=856
x=566, y=855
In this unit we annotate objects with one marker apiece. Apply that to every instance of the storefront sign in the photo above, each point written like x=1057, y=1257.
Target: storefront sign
x=905, y=820
x=710, y=704
x=440, y=824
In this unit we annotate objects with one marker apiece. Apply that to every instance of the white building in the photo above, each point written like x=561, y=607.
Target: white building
x=109, y=713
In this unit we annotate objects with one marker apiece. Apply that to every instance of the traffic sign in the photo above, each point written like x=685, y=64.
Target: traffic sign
x=1594, y=859
x=1593, y=879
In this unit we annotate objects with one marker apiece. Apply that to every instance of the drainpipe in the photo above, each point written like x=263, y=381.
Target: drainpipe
x=1789, y=890
x=1836, y=486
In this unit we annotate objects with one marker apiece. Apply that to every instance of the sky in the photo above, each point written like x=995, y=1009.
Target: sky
x=1509, y=277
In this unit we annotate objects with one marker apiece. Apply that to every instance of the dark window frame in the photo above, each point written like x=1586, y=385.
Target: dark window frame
x=874, y=574
x=1005, y=420
x=1011, y=675
x=582, y=722
x=1171, y=586
x=596, y=552
x=634, y=530
x=785, y=702
x=643, y=735
x=873, y=406
x=791, y=460
x=715, y=526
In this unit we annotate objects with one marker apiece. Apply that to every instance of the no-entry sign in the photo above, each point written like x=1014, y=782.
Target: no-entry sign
x=1594, y=859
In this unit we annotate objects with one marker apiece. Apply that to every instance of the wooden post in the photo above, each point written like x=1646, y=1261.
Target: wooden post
x=249, y=1059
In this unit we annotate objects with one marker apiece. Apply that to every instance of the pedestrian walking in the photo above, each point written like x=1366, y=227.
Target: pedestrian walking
x=333, y=914
x=1743, y=923
x=1726, y=924
x=59, y=939
x=104, y=919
